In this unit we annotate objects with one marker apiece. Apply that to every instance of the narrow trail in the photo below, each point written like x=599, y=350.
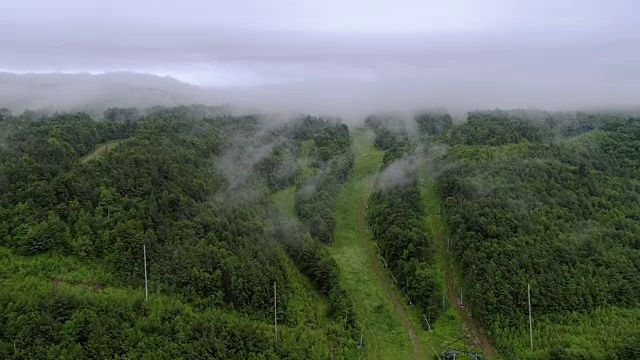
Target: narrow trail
x=101, y=149
x=470, y=327
x=384, y=318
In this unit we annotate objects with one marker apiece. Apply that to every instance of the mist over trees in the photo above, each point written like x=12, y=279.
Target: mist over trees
x=395, y=216
x=548, y=199
x=528, y=197
x=450, y=180
x=156, y=188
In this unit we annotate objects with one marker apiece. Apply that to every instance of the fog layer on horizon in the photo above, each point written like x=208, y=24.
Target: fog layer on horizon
x=331, y=56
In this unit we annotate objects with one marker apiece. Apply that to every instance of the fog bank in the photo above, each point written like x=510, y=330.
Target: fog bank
x=352, y=99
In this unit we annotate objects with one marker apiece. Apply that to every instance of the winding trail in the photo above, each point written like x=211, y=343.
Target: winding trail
x=390, y=328
x=101, y=149
x=387, y=329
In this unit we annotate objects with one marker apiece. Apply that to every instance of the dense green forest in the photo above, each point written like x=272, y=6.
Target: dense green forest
x=332, y=156
x=331, y=160
x=395, y=213
x=72, y=234
x=551, y=200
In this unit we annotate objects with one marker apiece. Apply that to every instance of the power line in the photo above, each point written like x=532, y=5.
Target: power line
x=530, y=321
x=146, y=285
x=275, y=311
x=444, y=304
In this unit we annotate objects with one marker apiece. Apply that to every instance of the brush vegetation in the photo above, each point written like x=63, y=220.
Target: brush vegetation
x=551, y=200
x=72, y=233
x=229, y=205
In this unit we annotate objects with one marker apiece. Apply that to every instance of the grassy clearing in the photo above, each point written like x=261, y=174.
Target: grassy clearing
x=391, y=328
x=50, y=266
x=307, y=305
x=101, y=149
x=305, y=150
x=385, y=335
x=285, y=201
x=456, y=322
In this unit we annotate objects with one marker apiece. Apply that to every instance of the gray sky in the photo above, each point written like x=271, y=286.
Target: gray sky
x=530, y=51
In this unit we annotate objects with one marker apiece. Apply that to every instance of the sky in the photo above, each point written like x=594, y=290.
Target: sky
x=524, y=52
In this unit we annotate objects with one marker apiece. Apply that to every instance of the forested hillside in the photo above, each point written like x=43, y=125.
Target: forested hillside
x=551, y=200
x=328, y=163
x=332, y=156
x=195, y=191
x=395, y=213
x=233, y=210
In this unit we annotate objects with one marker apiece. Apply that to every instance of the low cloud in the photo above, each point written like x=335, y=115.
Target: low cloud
x=398, y=173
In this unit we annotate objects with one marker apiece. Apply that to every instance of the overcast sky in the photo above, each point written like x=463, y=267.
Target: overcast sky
x=591, y=47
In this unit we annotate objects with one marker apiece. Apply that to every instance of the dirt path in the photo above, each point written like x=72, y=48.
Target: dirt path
x=470, y=327
x=388, y=328
x=383, y=278
x=101, y=149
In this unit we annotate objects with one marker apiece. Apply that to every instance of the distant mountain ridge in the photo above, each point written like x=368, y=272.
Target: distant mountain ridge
x=348, y=98
x=94, y=93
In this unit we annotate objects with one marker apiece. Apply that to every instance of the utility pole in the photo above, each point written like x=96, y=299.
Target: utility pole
x=275, y=310
x=444, y=304
x=438, y=355
x=146, y=283
x=427, y=321
x=530, y=322
x=346, y=314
